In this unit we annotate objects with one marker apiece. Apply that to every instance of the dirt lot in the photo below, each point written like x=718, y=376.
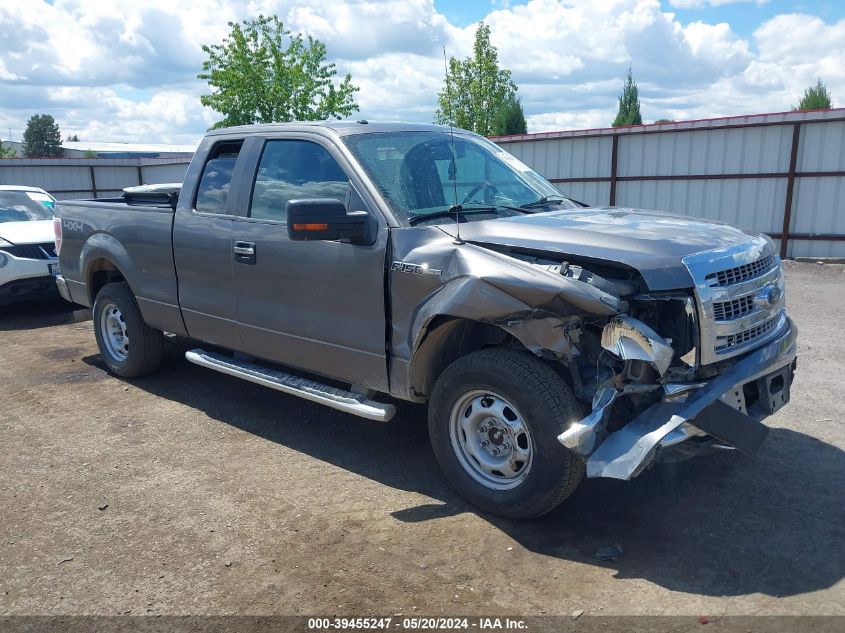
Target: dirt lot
x=193, y=492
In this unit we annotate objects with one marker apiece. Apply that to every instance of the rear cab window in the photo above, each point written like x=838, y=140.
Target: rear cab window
x=216, y=179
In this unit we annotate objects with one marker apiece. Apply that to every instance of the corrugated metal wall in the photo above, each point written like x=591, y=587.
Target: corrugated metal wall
x=783, y=174
x=71, y=178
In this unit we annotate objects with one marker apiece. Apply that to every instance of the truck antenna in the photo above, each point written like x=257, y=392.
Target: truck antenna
x=454, y=173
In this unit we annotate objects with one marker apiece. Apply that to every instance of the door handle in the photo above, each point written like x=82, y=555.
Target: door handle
x=244, y=252
x=244, y=248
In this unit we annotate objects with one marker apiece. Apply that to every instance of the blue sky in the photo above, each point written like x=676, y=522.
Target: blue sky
x=744, y=17
x=112, y=70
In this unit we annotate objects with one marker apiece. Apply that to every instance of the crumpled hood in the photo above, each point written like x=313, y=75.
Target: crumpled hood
x=651, y=242
x=28, y=232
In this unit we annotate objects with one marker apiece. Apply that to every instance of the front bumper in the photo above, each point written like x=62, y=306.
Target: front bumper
x=23, y=278
x=27, y=288
x=628, y=451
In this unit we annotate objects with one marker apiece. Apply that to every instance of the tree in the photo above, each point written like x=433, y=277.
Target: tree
x=42, y=137
x=509, y=119
x=816, y=97
x=6, y=152
x=629, y=104
x=72, y=138
x=263, y=73
x=475, y=88
x=664, y=121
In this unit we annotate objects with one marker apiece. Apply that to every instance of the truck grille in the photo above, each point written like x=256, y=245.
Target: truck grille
x=745, y=272
x=729, y=310
x=746, y=336
x=47, y=250
x=739, y=292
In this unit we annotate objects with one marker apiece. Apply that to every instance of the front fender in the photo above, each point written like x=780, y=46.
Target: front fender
x=433, y=276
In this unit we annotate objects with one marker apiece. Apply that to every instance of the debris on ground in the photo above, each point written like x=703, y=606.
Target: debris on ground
x=102, y=507
x=66, y=559
x=577, y=613
x=609, y=553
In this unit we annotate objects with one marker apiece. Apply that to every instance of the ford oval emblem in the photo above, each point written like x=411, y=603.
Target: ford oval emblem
x=768, y=296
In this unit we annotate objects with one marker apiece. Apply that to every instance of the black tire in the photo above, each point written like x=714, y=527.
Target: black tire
x=146, y=344
x=547, y=407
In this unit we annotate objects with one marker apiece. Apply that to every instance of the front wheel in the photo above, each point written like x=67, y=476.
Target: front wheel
x=129, y=347
x=494, y=419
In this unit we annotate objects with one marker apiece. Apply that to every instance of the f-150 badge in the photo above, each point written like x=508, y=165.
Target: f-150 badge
x=416, y=269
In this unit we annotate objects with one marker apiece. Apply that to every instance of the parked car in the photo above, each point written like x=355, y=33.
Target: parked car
x=28, y=262
x=355, y=263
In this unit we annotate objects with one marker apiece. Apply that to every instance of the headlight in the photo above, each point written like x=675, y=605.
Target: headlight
x=3, y=260
x=770, y=242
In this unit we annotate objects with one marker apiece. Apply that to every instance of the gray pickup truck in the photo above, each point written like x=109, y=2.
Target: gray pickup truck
x=354, y=264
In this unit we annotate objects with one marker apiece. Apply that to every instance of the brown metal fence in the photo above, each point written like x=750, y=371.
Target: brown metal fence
x=90, y=177
x=704, y=152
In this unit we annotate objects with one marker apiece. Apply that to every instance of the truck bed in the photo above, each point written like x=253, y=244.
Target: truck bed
x=136, y=238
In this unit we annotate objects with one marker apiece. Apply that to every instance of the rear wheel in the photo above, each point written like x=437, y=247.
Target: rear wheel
x=129, y=347
x=494, y=419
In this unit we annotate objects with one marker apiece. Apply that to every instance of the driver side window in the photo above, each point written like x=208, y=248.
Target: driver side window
x=294, y=170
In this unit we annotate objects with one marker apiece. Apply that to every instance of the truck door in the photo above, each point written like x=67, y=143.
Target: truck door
x=202, y=246
x=313, y=305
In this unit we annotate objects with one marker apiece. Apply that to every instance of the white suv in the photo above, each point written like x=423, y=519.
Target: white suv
x=28, y=263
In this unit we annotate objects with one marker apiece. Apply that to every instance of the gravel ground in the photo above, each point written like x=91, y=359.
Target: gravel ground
x=190, y=492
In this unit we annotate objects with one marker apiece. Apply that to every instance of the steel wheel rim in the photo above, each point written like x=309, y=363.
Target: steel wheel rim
x=491, y=440
x=113, y=332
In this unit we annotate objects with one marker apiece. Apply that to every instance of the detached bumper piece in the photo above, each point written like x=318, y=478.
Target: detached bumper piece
x=728, y=407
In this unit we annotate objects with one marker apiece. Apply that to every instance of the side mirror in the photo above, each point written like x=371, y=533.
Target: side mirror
x=328, y=219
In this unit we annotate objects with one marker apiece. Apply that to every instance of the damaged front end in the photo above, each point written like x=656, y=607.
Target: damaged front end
x=675, y=394
x=703, y=412
x=667, y=374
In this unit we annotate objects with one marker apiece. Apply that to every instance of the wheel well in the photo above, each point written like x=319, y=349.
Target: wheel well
x=102, y=272
x=447, y=339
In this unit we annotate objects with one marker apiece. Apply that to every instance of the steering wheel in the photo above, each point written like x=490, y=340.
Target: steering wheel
x=482, y=186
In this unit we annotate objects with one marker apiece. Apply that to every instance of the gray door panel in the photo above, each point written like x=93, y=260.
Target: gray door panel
x=314, y=305
x=202, y=249
x=318, y=306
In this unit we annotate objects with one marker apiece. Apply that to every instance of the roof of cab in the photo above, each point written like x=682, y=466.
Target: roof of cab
x=341, y=128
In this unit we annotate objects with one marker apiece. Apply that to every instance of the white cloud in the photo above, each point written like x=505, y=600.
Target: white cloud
x=121, y=71
x=698, y=4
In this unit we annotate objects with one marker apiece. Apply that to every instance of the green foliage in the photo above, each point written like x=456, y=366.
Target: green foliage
x=42, y=138
x=665, y=121
x=816, y=97
x=90, y=153
x=475, y=88
x=509, y=119
x=73, y=138
x=263, y=73
x=6, y=152
x=629, y=104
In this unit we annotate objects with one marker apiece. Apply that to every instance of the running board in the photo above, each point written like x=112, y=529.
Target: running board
x=333, y=397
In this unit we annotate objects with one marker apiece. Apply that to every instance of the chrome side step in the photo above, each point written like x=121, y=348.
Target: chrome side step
x=333, y=397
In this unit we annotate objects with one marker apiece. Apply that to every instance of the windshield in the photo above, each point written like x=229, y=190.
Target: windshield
x=20, y=206
x=424, y=173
